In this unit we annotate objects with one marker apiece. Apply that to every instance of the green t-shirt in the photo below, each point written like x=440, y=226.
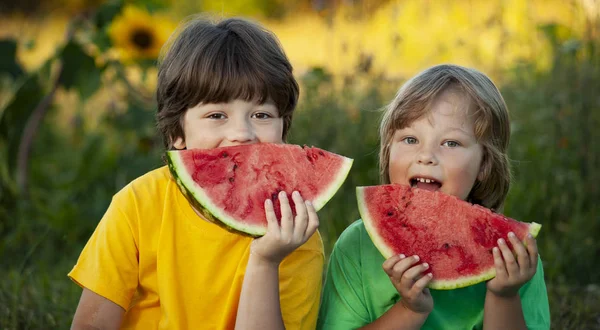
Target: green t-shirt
x=357, y=291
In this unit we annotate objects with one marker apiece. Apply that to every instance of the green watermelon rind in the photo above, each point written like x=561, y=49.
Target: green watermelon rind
x=387, y=252
x=202, y=202
x=534, y=229
x=368, y=222
x=335, y=185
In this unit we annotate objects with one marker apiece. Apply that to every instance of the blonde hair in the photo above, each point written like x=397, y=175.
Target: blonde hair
x=492, y=126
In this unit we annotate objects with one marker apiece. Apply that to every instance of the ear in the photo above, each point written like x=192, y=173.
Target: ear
x=483, y=170
x=179, y=143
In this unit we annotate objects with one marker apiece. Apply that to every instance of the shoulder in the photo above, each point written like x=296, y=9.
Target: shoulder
x=144, y=197
x=354, y=246
x=354, y=237
x=150, y=185
x=158, y=177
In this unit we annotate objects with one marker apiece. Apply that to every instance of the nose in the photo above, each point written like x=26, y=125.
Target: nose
x=426, y=156
x=241, y=131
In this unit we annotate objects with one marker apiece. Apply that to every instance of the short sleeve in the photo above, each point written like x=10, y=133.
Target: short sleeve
x=108, y=264
x=301, y=275
x=534, y=301
x=343, y=305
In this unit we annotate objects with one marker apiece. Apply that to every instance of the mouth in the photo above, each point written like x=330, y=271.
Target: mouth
x=425, y=183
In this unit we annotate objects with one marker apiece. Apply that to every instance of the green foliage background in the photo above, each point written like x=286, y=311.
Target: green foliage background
x=50, y=206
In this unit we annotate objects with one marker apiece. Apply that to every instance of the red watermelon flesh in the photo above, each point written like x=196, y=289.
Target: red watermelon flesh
x=229, y=185
x=453, y=236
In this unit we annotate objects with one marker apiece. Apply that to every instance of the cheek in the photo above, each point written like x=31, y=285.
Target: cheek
x=467, y=167
x=275, y=131
x=397, y=166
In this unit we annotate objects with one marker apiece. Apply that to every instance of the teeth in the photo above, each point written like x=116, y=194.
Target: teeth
x=424, y=180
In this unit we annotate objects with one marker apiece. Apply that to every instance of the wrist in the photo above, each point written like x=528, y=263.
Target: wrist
x=408, y=312
x=508, y=295
x=259, y=260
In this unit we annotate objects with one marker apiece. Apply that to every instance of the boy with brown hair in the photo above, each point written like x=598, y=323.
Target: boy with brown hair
x=153, y=261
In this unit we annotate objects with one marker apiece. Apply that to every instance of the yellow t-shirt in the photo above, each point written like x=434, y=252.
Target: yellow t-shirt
x=169, y=269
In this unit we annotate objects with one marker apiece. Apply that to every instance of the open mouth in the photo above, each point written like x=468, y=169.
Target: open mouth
x=425, y=183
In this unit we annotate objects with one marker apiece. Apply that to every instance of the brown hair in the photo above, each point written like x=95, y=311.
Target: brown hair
x=214, y=62
x=492, y=126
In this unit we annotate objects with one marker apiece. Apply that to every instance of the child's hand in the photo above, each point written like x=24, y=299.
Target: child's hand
x=410, y=282
x=279, y=241
x=512, y=273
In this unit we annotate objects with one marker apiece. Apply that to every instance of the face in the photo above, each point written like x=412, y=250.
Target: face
x=212, y=125
x=438, y=151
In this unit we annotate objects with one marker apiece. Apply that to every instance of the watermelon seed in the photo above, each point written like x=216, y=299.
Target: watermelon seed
x=231, y=179
x=321, y=153
x=235, y=167
x=390, y=213
x=224, y=154
x=446, y=246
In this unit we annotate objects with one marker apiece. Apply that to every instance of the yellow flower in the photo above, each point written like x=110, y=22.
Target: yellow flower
x=136, y=34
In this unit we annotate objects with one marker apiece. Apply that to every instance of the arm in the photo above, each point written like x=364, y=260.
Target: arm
x=107, y=269
x=259, y=306
x=502, y=309
x=96, y=312
x=398, y=317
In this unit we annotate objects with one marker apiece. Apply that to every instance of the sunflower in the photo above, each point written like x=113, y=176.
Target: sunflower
x=138, y=35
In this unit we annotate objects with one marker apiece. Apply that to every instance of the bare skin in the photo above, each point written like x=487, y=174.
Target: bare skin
x=407, y=276
x=95, y=312
x=502, y=309
x=261, y=280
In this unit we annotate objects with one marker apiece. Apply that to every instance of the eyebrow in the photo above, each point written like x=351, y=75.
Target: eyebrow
x=452, y=129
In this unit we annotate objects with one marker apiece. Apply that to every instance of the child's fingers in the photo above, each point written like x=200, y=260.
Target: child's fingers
x=415, y=272
x=313, y=220
x=401, y=267
x=509, y=259
x=389, y=263
x=421, y=284
x=287, y=225
x=499, y=264
x=522, y=254
x=301, y=220
x=271, y=217
x=533, y=250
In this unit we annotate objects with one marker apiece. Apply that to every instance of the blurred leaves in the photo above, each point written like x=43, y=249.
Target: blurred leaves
x=15, y=115
x=79, y=70
x=8, y=59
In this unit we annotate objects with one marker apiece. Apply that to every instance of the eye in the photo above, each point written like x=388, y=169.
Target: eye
x=410, y=140
x=451, y=144
x=262, y=115
x=216, y=115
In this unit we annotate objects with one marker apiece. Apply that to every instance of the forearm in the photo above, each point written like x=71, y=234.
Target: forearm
x=259, y=301
x=398, y=317
x=503, y=312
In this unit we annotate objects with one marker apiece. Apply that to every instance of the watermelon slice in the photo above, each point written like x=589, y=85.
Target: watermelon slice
x=229, y=185
x=453, y=236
